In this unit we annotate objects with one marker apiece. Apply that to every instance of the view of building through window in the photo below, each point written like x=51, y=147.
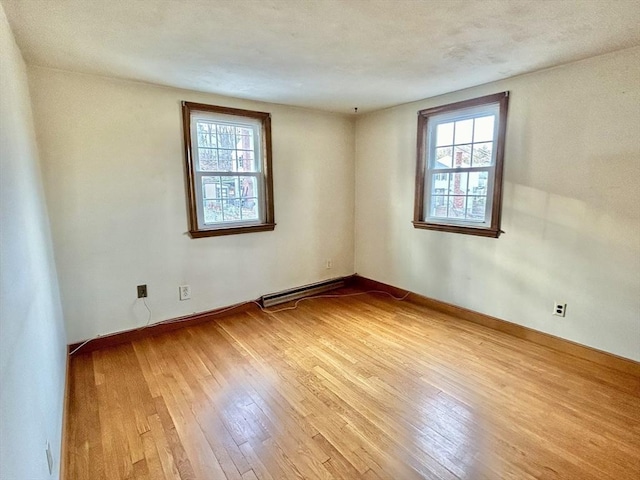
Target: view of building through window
x=462, y=144
x=228, y=170
x=459, y=166
x=228, y=151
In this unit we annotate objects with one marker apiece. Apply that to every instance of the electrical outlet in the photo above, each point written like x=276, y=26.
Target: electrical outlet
x=559, y=309
x=185, y=292
x=49, y=458
x=328, y=264
x=142, y=291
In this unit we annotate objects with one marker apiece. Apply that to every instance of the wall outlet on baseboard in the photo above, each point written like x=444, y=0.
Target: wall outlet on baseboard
x=559, y=309
x=185, y=292
x=328, y=264
x=49, y=458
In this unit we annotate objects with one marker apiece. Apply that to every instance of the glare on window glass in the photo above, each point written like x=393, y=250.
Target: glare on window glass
x=463, y=131
x=444, y=134
x=483, y=129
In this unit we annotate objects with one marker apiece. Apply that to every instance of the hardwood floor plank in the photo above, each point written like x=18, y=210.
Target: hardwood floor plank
x=360, y=387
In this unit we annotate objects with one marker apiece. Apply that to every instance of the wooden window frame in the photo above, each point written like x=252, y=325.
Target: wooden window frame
x=268, y=222
x=493, y=231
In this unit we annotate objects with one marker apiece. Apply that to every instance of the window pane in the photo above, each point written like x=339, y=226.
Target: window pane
x=212, y=211
x=231, y=210
x=483, y=130
x=482, y=154
x=478, y=183
x=207, y=159
x=204, y=135
x=438, y=206
x=206, y=132
x=230, y=199
x=226, y=160
x=210, y=188
x=476, y=208
x=250, y=208
x=443, y=157
x=230, y=187
x=444, y=134
x=226, y=136
x=439, y=183
x=464, y=130
x=458, y=183
x=246, y=162
x=457, y=207
x=249, y=198
x=245, y=140
x=462, y=156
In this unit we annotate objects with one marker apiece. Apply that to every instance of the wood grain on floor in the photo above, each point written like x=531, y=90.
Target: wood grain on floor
x=356, y=387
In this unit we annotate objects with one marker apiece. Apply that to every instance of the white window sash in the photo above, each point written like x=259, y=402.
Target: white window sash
x=198, y=174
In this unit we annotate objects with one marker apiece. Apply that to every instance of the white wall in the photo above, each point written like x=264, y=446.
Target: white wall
x=32, y=338
x=113, y=171
x=571, y=207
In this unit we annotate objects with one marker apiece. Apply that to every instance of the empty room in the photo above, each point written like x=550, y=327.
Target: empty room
x=320, y=239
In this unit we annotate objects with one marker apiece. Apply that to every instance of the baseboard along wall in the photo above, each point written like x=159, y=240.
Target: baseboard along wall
x=600, y=357
x=356, y=281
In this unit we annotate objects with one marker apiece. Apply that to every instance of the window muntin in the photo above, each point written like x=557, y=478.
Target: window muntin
x=459, y=172
x=228, y=170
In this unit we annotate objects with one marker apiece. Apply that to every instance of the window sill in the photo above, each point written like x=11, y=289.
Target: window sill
x=481, y=232
x=263, y=227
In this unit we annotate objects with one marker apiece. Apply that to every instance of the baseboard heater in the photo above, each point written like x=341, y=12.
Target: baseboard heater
x=300, y=292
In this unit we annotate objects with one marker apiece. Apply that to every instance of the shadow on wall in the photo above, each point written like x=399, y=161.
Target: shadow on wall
x=554, y=248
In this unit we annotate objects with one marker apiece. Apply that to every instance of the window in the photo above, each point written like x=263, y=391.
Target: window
x=459, y=166
x=228, y=169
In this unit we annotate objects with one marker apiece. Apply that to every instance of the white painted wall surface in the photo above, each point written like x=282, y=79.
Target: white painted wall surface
x=112, y=155
x=571, y=207
x=32, y=337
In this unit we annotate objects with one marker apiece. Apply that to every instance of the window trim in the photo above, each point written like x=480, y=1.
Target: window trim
x=502, y=99
x=190, y=178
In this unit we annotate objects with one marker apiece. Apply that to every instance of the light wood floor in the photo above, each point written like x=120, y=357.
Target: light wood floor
x=359, y=387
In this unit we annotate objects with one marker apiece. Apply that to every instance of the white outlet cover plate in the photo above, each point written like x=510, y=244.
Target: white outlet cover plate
x=185, y=292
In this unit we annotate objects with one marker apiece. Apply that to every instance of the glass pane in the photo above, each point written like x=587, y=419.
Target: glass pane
x=226, y=136
x=443, y=157
x=245, y=142
x=210, y=188
x=249, y=198
x=476, y=208
x=230, y=187
x=462, y=156
x=444, y=134
x=230, y=199
x=483, y=129
x=212, y=211
x=457, y=207
x=226, y=160
x=231, y=210
x=478, y=183
x=207, y=159
x=438, y=206
x=482, y=154
x=250, y=208
x=464, y=130
x=458, y=183
x=204, y=134
x=439, y=183
x=246, y=162
x=203, y=127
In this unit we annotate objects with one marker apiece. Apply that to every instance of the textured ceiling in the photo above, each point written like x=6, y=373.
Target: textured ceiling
x=326, y=54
